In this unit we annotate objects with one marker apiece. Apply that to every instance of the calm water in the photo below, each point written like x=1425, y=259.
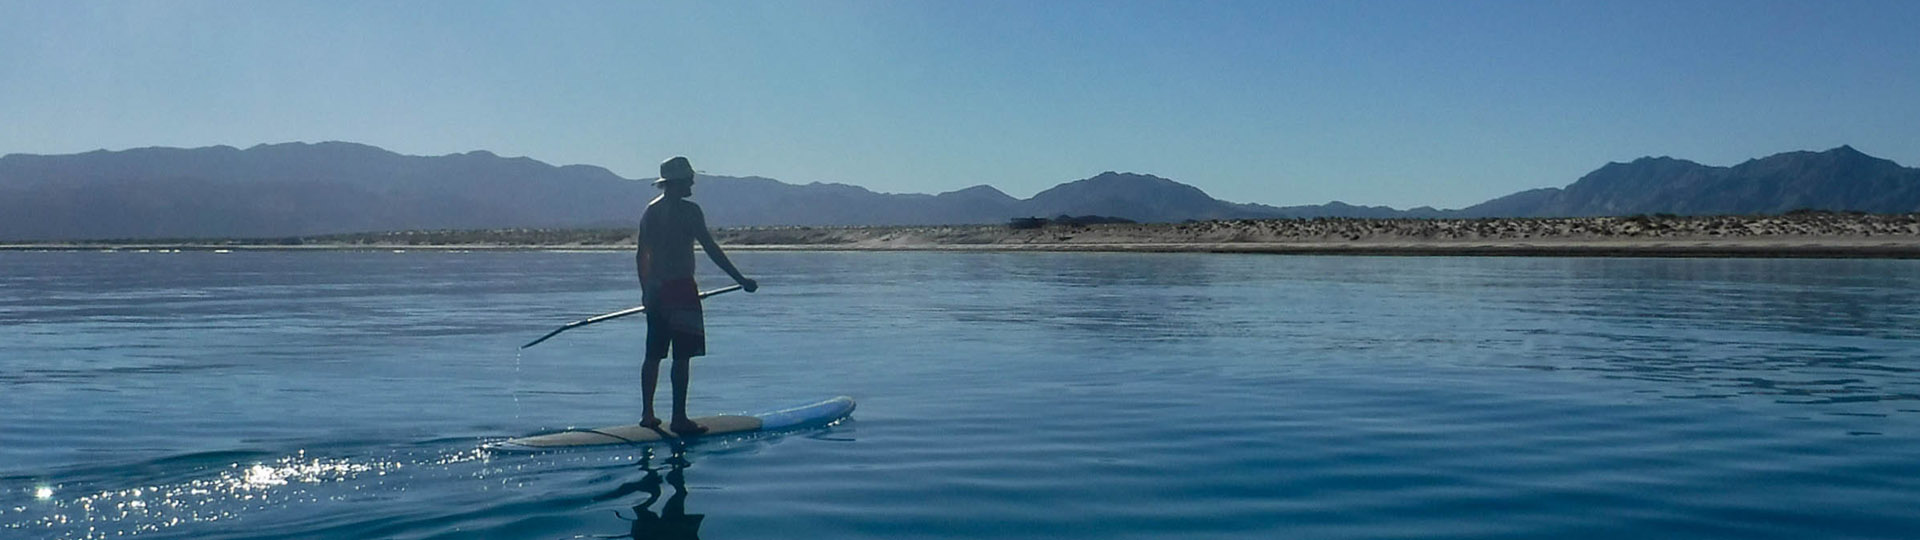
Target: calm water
x=305, y=395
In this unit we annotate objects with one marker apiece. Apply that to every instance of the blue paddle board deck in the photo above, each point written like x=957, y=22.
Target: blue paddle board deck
x=821, y=413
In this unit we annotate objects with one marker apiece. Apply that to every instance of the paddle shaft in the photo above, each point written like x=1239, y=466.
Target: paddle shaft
x=615, y=315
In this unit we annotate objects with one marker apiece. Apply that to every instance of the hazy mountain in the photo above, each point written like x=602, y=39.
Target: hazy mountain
x=1838, y=179
x=1138, y=197
x=1337, y=209
x=303, y=189
x=764, y=201
x=291, y=189
x=1519, y=204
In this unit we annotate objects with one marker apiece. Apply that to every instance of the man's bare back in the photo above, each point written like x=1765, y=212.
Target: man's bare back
x=667, y=237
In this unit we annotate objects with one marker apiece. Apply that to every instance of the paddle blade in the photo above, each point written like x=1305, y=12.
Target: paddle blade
x=555, y=332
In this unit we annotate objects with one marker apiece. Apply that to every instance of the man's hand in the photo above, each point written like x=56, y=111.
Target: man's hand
x=749, y=284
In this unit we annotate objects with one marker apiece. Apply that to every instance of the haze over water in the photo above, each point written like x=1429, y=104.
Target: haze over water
x=1002, y=395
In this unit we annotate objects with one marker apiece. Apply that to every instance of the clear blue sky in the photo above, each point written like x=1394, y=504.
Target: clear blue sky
x=1404, y=103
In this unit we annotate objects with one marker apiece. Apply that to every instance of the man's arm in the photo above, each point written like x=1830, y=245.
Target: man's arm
x=713, y=251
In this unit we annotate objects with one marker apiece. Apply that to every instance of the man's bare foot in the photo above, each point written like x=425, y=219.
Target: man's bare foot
x=650, y=422
x=687, y=427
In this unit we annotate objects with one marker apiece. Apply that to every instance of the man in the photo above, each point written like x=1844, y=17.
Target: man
x=668, y=230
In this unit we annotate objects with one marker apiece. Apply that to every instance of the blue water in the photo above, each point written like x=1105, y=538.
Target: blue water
x=346, y=394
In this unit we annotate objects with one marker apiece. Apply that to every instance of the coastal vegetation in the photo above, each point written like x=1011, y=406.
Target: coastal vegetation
x=1806, y=228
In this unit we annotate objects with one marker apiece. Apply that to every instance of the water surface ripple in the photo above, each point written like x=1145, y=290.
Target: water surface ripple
x=346, y=395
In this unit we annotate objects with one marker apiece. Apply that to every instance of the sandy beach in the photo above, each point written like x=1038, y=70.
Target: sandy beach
x=1797, y=235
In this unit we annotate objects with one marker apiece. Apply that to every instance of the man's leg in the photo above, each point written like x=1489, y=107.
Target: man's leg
x=682, y=367
x=659, y=340
x=649, y=378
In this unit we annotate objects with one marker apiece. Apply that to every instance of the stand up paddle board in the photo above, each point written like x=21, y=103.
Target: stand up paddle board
x=811, y=415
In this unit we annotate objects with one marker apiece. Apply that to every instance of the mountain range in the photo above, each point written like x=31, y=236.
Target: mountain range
x=1841, y=179
x=296, y=189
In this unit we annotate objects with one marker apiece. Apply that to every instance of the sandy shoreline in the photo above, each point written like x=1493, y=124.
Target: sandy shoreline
x=1805, y=235
x=1785, y=249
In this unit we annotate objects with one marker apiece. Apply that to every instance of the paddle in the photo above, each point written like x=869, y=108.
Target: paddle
x=614, y=315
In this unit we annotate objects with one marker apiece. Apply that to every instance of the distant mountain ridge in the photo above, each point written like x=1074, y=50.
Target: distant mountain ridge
x=1841, y=179
x=293, y=189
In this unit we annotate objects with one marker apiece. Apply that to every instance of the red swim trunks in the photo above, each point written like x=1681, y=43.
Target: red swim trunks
x=674, y=321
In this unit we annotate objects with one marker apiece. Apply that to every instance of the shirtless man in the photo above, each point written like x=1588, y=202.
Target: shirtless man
x=668, y=230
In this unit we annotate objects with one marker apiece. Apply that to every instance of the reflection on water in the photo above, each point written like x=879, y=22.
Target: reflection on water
x=672, y=522
x=1123, y=297
x=1796, y=331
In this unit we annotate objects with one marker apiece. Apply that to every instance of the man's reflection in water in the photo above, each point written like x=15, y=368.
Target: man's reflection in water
x=672, y=522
